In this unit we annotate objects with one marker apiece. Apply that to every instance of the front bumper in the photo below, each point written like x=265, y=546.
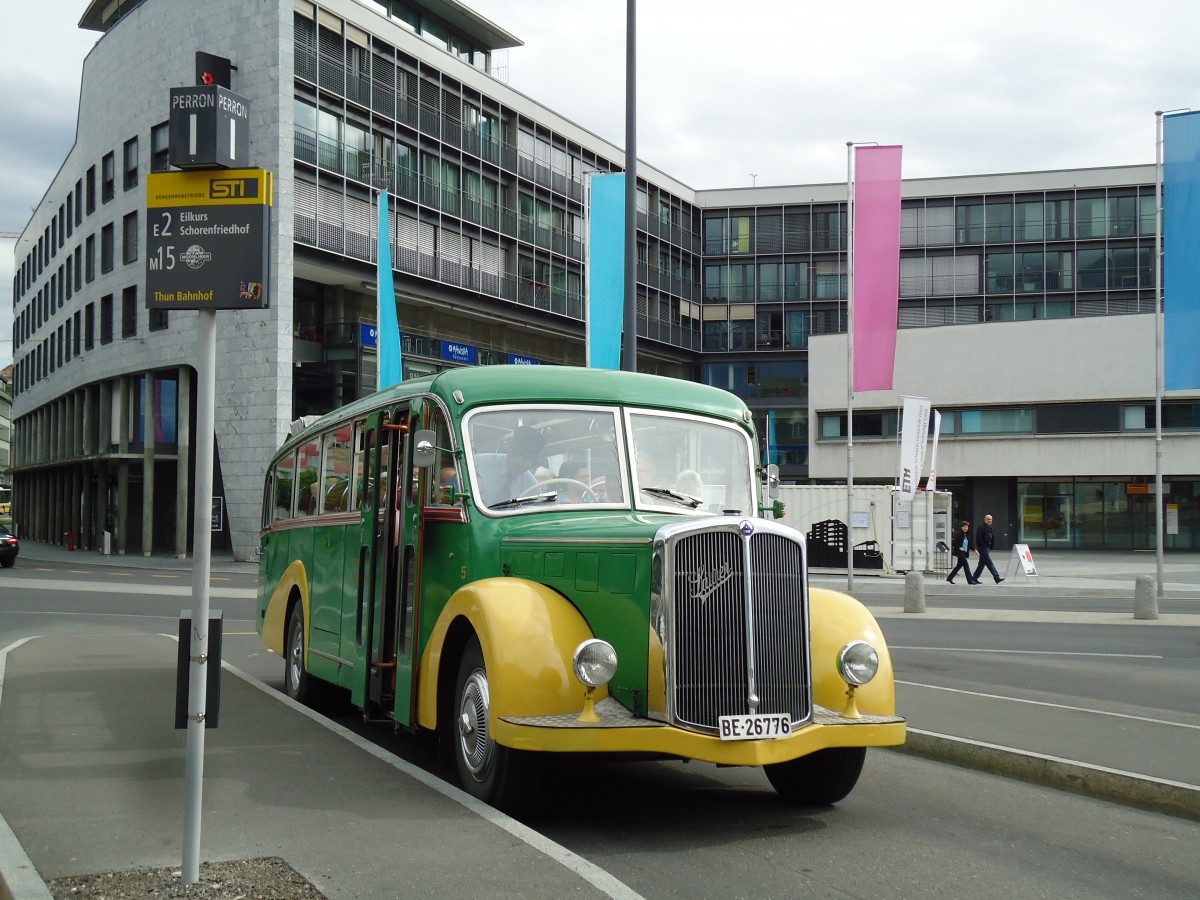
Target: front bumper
x=618, y=731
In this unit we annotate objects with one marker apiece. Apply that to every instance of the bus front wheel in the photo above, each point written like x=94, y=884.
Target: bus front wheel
x=819, y=779
x=295, y=676
x=486, y=770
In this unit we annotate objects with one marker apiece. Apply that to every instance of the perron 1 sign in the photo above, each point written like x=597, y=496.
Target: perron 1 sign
x=207, y=235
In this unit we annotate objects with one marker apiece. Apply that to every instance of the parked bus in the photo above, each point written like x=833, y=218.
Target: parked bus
x=5, y=501
x=536, y=559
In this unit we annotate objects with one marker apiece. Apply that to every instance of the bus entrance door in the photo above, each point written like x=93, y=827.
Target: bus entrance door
x=376, y=561
x=402, y=589
x=386, y=685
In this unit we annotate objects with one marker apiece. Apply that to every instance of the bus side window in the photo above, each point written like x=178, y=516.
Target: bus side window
x=308, y=475
x=443, y=481
x=283, y=482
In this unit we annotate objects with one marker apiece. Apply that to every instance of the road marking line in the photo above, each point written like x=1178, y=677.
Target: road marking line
x=1031, y=652
x=1083, y=709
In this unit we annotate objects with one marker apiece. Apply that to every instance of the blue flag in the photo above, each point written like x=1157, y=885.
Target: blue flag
x=606, y=271
x=391, y=369
x=1181, y=262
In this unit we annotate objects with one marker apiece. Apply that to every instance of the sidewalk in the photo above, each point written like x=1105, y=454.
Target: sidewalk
x=92, y=783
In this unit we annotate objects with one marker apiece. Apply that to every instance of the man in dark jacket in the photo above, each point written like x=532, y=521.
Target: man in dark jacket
x=985, y=540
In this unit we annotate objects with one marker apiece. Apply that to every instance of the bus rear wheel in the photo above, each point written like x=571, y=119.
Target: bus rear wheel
x=486, y=770
x=819, y=779
x=296, y=681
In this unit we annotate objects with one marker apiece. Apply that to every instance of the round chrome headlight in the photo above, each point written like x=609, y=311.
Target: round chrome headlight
x=857, y=663
x=595, y=662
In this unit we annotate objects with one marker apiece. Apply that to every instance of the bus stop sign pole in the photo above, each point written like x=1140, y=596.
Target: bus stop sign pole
x=201, y=568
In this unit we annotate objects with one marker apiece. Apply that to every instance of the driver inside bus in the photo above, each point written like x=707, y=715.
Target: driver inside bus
x=506, y=476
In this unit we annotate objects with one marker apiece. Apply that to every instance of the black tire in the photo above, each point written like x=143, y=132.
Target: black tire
x=491, y=773
x=8, y=563
x=297, y=683
x=819, y=779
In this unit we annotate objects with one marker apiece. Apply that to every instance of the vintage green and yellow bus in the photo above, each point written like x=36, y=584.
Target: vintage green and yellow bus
x=541, y=559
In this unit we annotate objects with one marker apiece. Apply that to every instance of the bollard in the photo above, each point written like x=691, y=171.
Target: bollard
x=1145, y=603
x=914, y=592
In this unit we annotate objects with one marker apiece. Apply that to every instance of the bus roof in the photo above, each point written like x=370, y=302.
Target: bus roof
x=486, y=385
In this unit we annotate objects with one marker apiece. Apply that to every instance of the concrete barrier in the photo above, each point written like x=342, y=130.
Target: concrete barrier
x=1145, y=602
x=914, y=592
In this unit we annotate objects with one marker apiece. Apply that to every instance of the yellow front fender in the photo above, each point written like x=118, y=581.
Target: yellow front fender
x=835, y=620
x=528, y=633
x=274, y=622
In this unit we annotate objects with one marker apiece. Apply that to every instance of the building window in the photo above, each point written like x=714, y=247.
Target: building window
x=130, y=159
x=129, y=312
x=160, y=147
x=108, y=177
x=91, y=190
x=91, y=258
x=106, y=248
x=106, y=319
x=89, y=324
x=158, y=319
x=78, y=336
x=129, y=228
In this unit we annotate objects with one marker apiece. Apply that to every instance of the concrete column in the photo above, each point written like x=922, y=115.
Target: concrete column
x=149, y=414
x=120, y=423
x=122, y=536
x=57, y=523
x=1145, y=601
x=914, y=592
x=183, y=406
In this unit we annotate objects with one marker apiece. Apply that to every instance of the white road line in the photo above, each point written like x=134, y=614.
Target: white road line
x=1063, y=706
x=160, y=590
x=1030, y=652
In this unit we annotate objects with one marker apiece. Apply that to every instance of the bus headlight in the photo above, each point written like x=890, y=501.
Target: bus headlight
x=595, y=662
x=857, y=663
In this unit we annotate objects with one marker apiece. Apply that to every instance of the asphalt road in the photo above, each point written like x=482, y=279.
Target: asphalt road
x=913, y=827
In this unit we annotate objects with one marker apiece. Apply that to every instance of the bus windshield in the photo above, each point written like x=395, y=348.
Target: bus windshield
x=522, y=458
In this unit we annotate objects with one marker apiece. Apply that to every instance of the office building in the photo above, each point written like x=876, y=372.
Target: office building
x=743, y=288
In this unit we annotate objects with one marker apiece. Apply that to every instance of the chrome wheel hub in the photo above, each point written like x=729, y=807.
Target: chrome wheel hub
x=474, y=742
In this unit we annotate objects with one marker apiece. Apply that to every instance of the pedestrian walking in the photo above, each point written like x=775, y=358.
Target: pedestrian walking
x=962, y=553
x=985, y=540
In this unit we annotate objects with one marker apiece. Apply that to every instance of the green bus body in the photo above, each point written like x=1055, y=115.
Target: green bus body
x=388, y=570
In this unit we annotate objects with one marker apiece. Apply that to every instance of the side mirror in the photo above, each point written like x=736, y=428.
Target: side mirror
x=424, y=449
x=772, y=481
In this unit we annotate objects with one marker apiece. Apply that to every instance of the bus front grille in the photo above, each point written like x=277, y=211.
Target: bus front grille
x=730, y=606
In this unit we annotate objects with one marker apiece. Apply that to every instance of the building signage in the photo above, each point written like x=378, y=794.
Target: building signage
x=207, y=236
x=514, y=360
x=459, y=353
x=209, y=126
x=368, y=335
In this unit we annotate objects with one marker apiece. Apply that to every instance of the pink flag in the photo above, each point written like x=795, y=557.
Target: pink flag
x=876, y=265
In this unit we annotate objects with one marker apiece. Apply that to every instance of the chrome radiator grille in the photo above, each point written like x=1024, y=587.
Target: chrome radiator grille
x=731, y=608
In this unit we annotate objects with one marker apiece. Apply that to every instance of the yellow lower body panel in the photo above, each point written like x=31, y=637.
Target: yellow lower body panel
x=619, y=732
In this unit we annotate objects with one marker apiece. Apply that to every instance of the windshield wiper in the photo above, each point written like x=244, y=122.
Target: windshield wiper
x=682, y=499
x=548, y=497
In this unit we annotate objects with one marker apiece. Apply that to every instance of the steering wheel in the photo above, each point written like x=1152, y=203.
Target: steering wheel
x=586, y=494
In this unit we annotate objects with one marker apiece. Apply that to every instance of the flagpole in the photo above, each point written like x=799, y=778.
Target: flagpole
x=849, y=366
x=1158, y=351
x=629, y=358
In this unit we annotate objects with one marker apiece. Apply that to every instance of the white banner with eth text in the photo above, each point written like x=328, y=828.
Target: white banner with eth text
x=914, y=436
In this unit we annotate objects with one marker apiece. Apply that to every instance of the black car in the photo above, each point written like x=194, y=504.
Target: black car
x=9, y=547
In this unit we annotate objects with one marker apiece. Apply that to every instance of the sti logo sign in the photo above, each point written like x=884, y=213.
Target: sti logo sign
x=232, y=188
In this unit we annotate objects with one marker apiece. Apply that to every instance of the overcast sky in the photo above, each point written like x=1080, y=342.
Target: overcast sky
x=765, y=91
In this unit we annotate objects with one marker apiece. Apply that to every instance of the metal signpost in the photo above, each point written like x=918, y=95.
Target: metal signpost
x=207, y=249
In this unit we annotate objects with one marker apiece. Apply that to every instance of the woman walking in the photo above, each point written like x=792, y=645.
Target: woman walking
x=962, y=553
